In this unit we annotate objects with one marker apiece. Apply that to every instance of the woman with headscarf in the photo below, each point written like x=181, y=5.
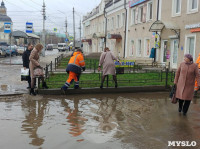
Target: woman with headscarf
x=185, y=80
x=107, y=60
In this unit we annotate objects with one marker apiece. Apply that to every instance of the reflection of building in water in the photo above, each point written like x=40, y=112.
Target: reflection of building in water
x=74, y=118
x=34, y=111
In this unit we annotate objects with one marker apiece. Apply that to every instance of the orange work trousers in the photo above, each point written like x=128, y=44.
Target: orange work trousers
x=196, y=87
x=72, y=77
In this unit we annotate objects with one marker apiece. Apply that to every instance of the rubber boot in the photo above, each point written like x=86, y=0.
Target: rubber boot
x=44, y=85
x=32, y=92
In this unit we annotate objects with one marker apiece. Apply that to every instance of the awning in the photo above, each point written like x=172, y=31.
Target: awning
x=32, y=36
x=86, y=40
x=158, y=26
x=98, y=35
x=19, y=34
x=114, y=36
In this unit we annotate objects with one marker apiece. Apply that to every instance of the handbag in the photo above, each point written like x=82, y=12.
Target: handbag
x=38, y=72
x=24, y=74
x=173, y=95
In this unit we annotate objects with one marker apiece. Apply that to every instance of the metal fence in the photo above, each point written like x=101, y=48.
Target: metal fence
x=89, y=80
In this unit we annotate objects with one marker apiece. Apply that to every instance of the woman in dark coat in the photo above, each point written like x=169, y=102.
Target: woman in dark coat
x=185, y=80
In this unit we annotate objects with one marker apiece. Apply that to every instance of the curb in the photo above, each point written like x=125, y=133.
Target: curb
x=102, y=91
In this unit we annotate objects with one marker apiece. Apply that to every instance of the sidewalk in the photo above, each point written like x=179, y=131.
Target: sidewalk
x=10, y=77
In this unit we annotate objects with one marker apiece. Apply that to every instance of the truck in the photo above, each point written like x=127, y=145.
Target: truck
x=62, y=47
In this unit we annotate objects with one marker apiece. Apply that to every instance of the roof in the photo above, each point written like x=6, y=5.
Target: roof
x=159, y=25
x=33, y=36
x=19, y=34
x=5, y=18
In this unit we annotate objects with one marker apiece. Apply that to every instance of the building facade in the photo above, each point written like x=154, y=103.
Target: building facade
x=133, y=28
x=4, y=37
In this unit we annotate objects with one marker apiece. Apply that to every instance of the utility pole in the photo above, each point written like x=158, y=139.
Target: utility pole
x=43, y=32
x=80, y=30
x=66, y=27
x=74, y=27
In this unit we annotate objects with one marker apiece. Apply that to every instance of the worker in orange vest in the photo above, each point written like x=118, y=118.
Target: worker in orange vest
x=196, y=87
x=75, y=65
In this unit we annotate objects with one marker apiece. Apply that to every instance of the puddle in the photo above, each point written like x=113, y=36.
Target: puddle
x=121, y=121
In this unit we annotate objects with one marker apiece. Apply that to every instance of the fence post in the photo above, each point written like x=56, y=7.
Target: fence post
x=46, y=71
x=107, y=80
x=55, y=64
x=94, y=66
x=167, y=73
x=51, y=66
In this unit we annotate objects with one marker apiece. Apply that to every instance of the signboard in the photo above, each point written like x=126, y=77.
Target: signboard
x=194, y=30
x=7, y=28
x=125, y=63
x=29, y=27
x=55, y=29
x=135, y=2
x=192, y=26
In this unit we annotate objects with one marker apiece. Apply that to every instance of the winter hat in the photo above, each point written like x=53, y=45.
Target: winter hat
x=189, y=56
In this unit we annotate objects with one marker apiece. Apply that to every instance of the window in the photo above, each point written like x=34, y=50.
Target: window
x=176, y=7
x=139, y=48
x=113, y=23
x=149, y=11
x=140, y=14
x=118, y=21
x=123, y=19
x=190, y=45
x=147, y=48
x=193, y=6
x=108, y=24
x=132, y=48
x=133, y=15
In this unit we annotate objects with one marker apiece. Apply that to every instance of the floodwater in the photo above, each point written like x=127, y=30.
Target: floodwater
x=119, y=121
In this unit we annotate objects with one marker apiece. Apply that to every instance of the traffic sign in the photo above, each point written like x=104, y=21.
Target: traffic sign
x=7, y=27
x=66, y=39
x=29, y=27
x=55, y=29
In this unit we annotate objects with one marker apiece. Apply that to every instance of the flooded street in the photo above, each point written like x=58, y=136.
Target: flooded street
x=120, y=121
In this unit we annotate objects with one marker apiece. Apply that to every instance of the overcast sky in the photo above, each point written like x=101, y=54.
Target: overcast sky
x=22, y=11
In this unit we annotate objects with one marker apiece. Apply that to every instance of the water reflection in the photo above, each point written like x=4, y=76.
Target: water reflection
x=120, y=122
x=34, y=114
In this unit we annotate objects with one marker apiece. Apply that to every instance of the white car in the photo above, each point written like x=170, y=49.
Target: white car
x=20, y=50
x=2, y=52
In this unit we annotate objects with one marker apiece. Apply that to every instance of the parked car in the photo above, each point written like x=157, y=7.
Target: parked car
x=11, y=50
x=2, y=51
x=20, y=50
x=49, y=47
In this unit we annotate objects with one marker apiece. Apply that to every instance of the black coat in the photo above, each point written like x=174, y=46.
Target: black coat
x=25, y=58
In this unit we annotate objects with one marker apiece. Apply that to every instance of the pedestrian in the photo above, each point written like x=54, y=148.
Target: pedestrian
x=74, y=67
x=107, y=60
x=196, y=87
x=26, y=61
x=184, y=81
x=34, y=62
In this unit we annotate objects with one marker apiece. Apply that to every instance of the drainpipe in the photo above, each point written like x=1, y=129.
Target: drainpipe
x=156, y=31
x=105, y=38
x=125, y=27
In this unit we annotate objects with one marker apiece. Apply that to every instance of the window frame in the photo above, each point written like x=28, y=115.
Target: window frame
x=189, y=10
x=148, y=12
x=133, y=22
x=137, y=50
x=174, y=6
x=145, y=47
x=187, y=45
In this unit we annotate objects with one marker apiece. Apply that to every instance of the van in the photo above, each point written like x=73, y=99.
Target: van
x=62, y=47
x=49, y=47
